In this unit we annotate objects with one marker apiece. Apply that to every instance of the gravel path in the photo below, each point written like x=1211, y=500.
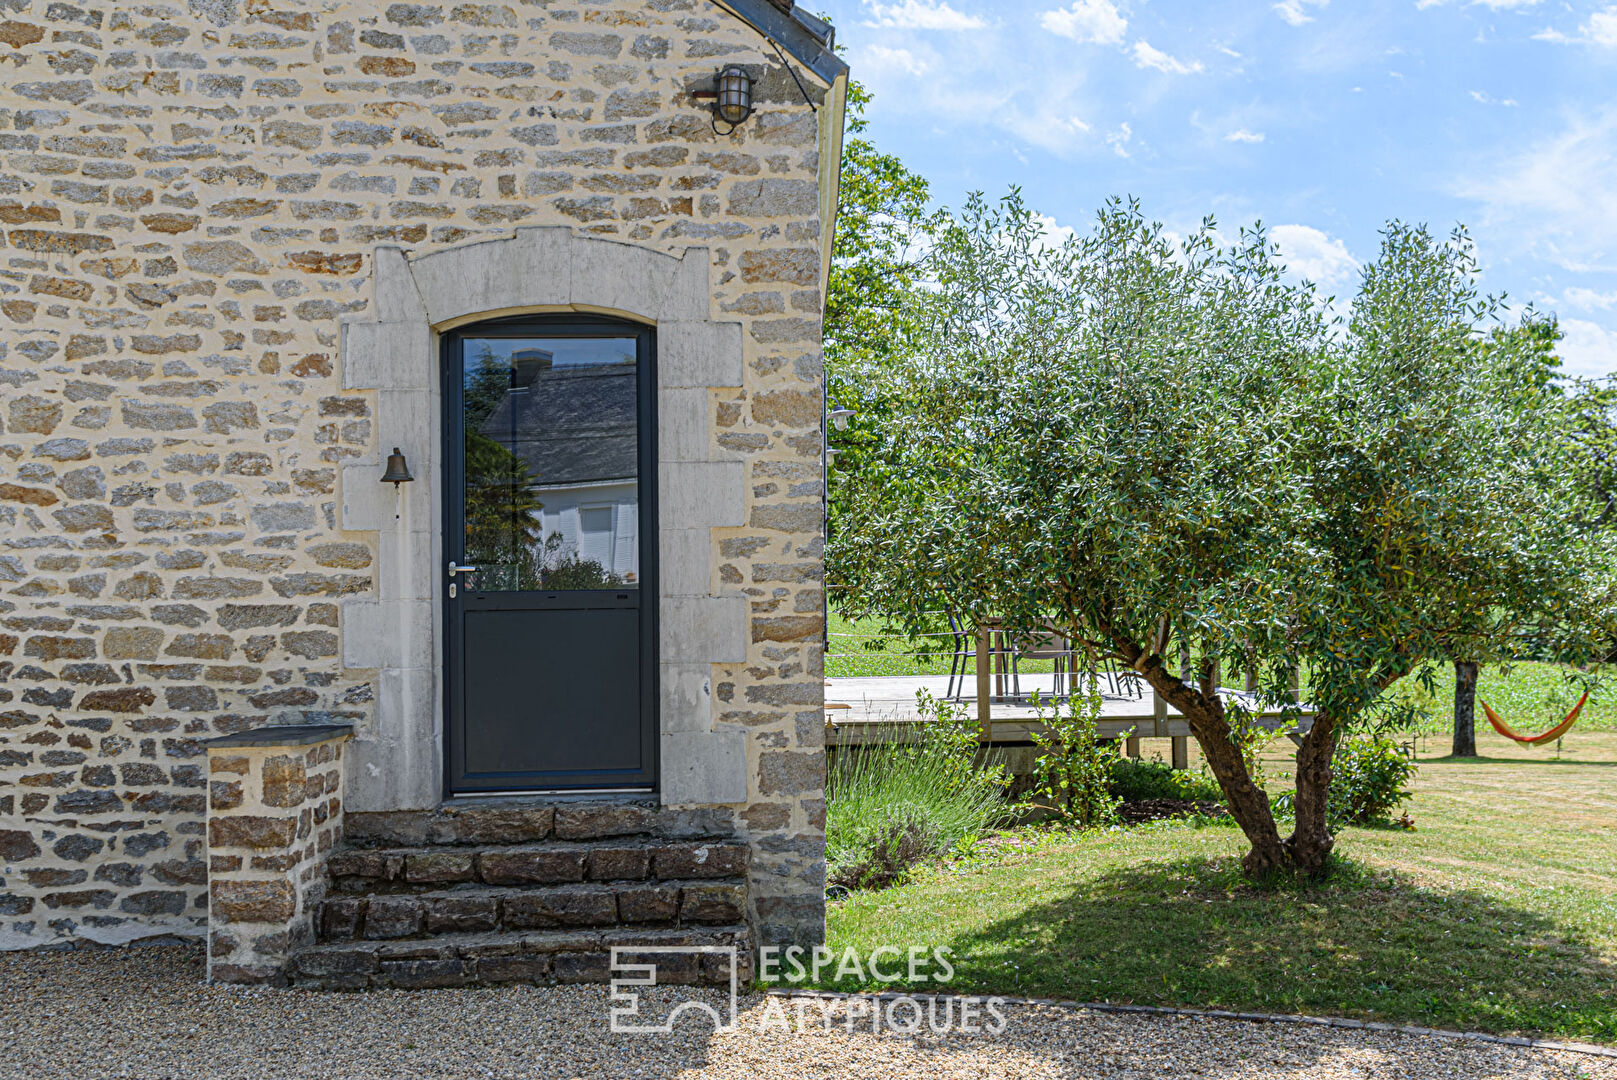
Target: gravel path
x=144, y=1013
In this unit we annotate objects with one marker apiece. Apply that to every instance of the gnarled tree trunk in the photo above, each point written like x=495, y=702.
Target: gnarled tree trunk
x=1310, y=842
x=1203, y=710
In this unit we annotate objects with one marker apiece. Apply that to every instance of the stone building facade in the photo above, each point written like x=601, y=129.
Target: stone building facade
x=233, y=232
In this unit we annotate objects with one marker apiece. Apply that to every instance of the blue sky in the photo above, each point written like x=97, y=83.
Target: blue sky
x=1322, y=118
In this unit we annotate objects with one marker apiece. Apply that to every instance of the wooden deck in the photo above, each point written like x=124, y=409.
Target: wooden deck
x=869, y=709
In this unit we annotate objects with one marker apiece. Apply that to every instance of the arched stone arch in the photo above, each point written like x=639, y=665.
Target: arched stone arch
x=397, y=758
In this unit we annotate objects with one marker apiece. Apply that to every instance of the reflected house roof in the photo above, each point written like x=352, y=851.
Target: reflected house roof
x=571, y=425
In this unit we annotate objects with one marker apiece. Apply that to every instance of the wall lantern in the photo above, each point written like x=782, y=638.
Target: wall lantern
x=840, y=417
x=398, y=470
x=731, y=97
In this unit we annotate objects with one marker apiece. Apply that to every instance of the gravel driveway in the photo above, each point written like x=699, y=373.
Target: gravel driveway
x=144, y=1013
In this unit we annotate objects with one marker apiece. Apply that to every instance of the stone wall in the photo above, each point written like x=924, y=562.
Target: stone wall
x=275, y=811
x=191, y=196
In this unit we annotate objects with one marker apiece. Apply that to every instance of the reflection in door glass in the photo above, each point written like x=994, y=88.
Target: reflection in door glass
x=552, y=476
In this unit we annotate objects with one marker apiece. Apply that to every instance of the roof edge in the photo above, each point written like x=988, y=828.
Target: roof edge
x=805, y=38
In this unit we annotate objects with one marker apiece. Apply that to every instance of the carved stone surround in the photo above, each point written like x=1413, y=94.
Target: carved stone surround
x=397, y=759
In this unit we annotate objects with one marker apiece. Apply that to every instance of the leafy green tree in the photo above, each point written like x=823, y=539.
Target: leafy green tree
x=877, y=262
x=1533, y=339
x=1098, y=436
x=1445, y=524
x=878, y=253
x=1592, y=450
x=1133, y=441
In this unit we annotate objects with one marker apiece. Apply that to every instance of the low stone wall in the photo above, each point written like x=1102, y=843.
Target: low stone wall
x=275, y=799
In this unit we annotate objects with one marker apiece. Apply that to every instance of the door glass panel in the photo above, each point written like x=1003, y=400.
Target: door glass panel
x=552, y=474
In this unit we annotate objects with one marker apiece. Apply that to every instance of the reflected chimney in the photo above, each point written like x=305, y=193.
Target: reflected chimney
x=527, y=365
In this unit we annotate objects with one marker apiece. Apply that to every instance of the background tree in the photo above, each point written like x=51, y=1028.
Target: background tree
x=1534, y=340
x=1591, y=436
x=877, y=263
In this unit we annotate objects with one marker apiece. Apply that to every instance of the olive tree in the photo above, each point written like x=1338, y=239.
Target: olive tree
x=1133, y=441
x=1446, y=521
x=1101, y=436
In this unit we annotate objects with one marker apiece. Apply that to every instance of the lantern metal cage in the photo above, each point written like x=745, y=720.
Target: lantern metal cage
x=733, y=101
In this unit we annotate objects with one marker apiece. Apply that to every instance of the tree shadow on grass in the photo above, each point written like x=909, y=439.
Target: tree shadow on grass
x=1450, y=759
x=1369, y=944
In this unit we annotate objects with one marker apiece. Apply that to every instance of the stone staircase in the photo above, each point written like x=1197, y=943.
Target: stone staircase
x=527, y=890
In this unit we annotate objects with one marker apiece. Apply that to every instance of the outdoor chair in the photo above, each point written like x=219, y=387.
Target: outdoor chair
x=1124, y=681
x=1044, y=645
x=965, y=653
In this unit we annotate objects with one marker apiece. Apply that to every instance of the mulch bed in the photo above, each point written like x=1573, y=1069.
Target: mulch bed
x=1138, y=813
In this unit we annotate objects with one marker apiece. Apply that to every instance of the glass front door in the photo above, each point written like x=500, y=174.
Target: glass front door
x=549, y=475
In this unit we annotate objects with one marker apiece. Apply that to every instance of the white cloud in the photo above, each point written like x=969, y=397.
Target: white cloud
x=1085, y=21
x=1119, y=140
x=1243, y=135
x=922, y=15
x=1315, y=255
x=1587, y=299
x=1055, y=233
x=887, y=59
x=1146, y=56
x=1555, y=198
x=1486, y=99
x=1296, y=11
x=1588, y=349
x=1496, y=5
x=1601, y=29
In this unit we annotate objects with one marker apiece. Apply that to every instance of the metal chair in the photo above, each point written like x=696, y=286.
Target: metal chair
x=964, y=650
x=1044, y=645
x=1124, y=681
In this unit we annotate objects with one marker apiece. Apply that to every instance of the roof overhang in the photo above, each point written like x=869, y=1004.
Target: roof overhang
x=806, y=39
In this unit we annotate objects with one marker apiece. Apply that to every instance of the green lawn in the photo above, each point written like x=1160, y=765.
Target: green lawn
x=1498, y=913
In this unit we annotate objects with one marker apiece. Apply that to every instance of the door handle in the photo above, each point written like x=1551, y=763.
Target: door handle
x=456, y=568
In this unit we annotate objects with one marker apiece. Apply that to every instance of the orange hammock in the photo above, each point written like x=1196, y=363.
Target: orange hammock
x=1536, y=740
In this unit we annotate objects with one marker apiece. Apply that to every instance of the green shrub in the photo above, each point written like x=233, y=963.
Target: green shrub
x=1368, y=774
x=1073, y=775
x=1136, y=781
x=892, y=804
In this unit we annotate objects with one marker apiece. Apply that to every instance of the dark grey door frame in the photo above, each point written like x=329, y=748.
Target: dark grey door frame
x=644, y=598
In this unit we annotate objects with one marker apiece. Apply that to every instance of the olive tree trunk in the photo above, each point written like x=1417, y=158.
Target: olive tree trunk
x=1203, y=711
x=1465, y=708
x=1310, y=842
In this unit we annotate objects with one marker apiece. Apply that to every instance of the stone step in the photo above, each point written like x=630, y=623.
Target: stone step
x=470, y=908
x=422, y=869
x=536, y=957
x=529, y=819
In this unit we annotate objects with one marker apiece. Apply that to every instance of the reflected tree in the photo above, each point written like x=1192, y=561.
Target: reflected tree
x=505, y=535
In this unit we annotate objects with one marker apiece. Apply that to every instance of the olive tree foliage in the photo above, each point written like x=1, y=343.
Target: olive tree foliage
x=1446, y=517
x=1139, y=442
x=1101, y=436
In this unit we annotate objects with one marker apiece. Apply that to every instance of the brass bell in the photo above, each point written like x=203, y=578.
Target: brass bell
x=398, y=470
